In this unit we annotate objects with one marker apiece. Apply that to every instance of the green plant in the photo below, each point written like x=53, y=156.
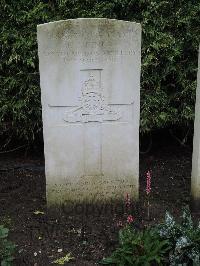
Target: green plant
x=184, y=239
x=138, y=248
x=6, y=247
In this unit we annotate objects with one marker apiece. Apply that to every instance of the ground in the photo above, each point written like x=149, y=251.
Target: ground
x=87, y=232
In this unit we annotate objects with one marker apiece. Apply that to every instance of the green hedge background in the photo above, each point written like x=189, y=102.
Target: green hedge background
x=170, y=41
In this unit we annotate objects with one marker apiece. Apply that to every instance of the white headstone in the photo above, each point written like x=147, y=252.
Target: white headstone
x=90, y=83
x=195, y=181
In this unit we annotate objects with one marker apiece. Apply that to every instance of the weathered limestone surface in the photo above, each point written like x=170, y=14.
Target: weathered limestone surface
x=90, y=84
x=195, y=181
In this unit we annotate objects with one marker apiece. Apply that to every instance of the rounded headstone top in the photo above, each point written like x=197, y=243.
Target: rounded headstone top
x=80, y=20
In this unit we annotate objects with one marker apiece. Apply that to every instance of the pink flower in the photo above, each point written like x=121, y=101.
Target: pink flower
x=148, y=182
x=120, y=224
x=130, y=219
x=128, y=201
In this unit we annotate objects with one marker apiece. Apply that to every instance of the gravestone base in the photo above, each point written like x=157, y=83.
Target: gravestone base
x=89, y=190
x=195, y=205
x=111, y=208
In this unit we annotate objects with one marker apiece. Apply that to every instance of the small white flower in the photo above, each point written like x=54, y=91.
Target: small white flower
x=21, y=250
x=198, y=226
x=182, y=242
x=35, y=254
x=169, y=220
x=60, y=250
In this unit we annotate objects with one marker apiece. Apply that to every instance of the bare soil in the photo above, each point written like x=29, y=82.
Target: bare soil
x=88, y=232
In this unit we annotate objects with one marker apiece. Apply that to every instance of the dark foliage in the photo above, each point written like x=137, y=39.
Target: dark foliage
x=170, y=43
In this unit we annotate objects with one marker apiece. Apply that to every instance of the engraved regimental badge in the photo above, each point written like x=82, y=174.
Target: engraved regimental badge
x=92, y=105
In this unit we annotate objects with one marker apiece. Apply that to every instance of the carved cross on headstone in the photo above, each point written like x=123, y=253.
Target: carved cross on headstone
x=93, y=108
